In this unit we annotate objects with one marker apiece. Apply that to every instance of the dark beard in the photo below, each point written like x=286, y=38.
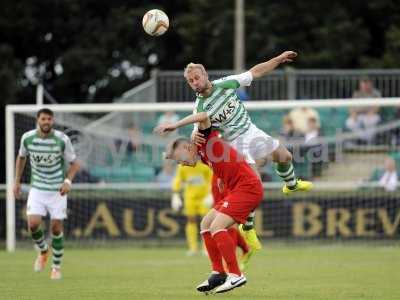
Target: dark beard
x=46, y=131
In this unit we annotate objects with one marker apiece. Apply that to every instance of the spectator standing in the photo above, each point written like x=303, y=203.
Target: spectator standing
x=364, y=120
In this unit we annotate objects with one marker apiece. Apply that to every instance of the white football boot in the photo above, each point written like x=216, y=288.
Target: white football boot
x=232, y=281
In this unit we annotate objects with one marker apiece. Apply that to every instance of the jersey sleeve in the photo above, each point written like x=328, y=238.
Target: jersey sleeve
x=178, y=179
x=69, y=152
x=23, y=152
x=244, y=79
x=235, y=81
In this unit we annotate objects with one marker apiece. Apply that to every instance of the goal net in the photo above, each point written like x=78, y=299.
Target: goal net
x=348, y=148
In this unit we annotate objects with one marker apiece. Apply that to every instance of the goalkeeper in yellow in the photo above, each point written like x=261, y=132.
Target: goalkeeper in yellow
x=195, y=183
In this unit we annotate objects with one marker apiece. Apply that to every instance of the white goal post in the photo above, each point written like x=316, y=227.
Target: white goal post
x=11, y=142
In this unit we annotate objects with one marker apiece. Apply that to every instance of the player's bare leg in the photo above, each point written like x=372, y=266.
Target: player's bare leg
x=57, y=246
x=285, y=169
x=34, y=223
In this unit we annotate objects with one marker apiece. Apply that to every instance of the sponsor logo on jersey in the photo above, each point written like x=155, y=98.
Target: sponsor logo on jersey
x=44, y=158
x=227, y=110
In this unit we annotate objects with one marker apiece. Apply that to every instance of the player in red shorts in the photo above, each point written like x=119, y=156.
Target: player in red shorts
x=219, y=192
x=244, y=193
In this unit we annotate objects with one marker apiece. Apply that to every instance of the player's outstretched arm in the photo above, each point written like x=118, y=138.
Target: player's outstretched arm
x=266, y=67
x=191, y=119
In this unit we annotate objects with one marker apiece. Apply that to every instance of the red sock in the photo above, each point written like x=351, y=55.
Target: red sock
x=227, y=248
x=238, y=239
x=234, y=234
x=213, y=252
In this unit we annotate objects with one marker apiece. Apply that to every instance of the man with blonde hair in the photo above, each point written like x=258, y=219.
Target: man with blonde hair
x=192, y=66
x=217, y=101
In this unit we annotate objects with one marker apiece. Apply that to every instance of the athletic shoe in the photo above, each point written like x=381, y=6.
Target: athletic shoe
x=250, y=236
x=244, y=259
x=301, y=186
x=215, y=279
x=233, y=281
x=55, y=273
x=40, y=261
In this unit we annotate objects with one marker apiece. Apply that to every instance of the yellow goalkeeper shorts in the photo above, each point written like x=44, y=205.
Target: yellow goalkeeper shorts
x=194, y=207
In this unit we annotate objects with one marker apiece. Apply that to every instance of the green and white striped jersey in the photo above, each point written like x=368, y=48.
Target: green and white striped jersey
x=47, y=158
x=225, y=110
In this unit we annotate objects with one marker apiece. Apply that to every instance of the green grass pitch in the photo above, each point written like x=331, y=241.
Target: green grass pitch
x=277, y=272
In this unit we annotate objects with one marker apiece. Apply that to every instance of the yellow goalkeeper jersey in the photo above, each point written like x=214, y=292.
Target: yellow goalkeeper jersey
x=195, y=181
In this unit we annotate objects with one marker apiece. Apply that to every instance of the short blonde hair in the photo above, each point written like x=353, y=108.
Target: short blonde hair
x=191, y=66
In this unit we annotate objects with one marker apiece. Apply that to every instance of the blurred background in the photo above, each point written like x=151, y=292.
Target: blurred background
x=339, y=241
x=57, y=52
x=96, y=51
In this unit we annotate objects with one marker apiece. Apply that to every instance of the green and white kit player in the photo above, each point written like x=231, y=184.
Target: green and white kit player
x=49, y=151
x=217, y=100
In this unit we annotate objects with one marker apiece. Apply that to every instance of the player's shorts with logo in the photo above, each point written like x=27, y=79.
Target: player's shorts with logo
x=47, y=202
x=254, y=144
x=241, y=201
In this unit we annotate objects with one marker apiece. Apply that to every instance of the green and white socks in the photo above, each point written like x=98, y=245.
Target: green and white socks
x=40, y=240
x=57, y=248
x=286, y=172
x=249, y=222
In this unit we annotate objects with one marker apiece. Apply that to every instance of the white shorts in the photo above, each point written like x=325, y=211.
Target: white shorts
x=254, y=144
x=43, y=202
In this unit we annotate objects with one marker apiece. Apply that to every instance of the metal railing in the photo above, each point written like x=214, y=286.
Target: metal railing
x=289, y=84
x=144, y=92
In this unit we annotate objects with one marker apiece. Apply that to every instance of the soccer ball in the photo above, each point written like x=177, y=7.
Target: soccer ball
x=155, y=22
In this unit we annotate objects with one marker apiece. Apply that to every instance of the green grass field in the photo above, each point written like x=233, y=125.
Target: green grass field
x=277, y=272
